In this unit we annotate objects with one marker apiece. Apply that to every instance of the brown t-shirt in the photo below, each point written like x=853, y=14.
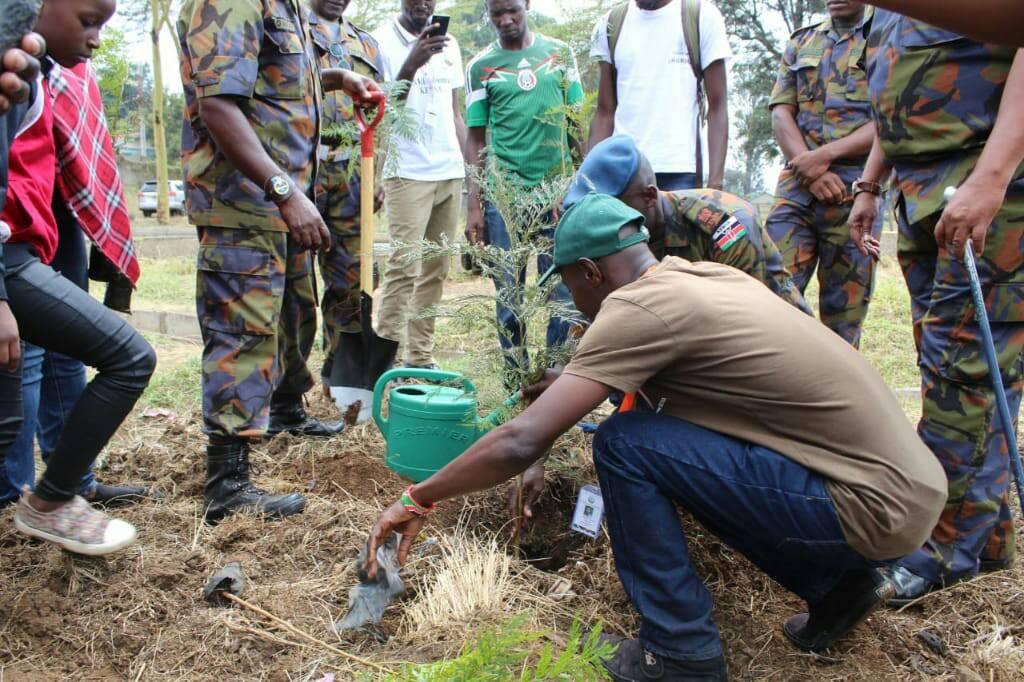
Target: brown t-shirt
x=725, y=353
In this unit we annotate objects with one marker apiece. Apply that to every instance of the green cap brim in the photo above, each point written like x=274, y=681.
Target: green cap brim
x=552, y=271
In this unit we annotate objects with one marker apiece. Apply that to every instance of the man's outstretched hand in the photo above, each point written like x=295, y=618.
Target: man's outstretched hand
x=394, y=519
x=20, y=68
x=533, y=487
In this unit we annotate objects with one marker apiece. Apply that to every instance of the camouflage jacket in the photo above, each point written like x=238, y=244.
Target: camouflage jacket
x=935, y=96
x=257, y=51
x=341, y=45
x=711, y=225
x=824, y=75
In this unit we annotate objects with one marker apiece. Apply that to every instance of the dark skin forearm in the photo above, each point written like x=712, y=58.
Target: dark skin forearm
x=476, y=141
x=603, y=123
x=234, y=136
x=718, y=122
x=460, y=124
x=511, y=449
x=787, y=133
x=854, y=146
x=997, y=21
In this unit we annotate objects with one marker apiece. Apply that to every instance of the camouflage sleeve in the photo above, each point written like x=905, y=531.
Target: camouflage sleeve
x=224, y=38
x=738, y=244
x=784, y=91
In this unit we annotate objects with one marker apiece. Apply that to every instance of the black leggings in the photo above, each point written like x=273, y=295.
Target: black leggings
x=56, y=315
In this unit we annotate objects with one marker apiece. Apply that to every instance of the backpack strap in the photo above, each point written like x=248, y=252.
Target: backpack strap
x=691, y=35
x=615, y=20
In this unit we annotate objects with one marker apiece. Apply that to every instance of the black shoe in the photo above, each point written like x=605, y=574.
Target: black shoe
x=632, y=663
x=842, y=609
x=289, y=415
x=112, y=496
x=229, y=490
x=993, y=565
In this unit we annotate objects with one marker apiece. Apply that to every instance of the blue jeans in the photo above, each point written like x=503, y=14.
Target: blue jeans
x=765, y=506
x=515, y=330
x=671, y=182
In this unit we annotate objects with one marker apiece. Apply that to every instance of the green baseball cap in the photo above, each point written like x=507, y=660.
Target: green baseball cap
x=590, y=229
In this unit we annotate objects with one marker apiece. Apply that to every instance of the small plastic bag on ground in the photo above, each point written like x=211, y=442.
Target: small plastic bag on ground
x=368, y=599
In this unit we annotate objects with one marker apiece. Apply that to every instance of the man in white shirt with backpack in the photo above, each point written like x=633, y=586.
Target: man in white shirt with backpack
x=661, y=62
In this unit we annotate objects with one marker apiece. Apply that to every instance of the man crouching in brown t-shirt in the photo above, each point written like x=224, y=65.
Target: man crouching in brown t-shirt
x=770, y=429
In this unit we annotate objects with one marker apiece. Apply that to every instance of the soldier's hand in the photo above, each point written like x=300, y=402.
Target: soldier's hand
x=533, y=487
x=378, y=198
x=828, y=189
x=10, y=346
x=475, y=225
x=969, y=215
x=810, y=165
x=861, y=223
x=364, y=91
x=305, y=223
x=19, y=68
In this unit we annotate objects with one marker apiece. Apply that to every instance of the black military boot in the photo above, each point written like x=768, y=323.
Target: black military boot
x=229, y=490
x=843, y=608
x=288, y=414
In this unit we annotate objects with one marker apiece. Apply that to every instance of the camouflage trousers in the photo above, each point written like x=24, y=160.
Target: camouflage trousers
x=813, y=235
x=959, y=419
x=338, y=202
x=257, y=313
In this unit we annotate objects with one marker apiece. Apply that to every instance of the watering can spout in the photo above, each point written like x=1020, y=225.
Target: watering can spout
x=494, y=418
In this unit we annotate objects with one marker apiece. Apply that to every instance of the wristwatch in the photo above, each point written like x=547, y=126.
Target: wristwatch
x=277, y=189
x=860, y=185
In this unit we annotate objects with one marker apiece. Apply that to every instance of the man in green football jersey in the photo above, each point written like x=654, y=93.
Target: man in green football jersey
x=517, y=88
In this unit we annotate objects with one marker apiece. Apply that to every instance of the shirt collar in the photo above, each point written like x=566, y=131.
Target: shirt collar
x=869, y=12
x=403, y=35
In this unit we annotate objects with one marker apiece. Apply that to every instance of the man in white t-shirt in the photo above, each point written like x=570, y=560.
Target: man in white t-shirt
x=423, y=183
x=649, y=88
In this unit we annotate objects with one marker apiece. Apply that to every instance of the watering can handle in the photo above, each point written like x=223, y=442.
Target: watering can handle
x=411, y=373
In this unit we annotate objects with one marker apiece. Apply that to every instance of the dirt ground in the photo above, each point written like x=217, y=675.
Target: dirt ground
x=138, y=615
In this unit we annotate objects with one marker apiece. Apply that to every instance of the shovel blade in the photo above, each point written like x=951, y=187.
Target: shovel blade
x=362, y=357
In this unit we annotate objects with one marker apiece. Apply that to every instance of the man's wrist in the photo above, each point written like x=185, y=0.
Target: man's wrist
x=278, y=188
x=863, y=186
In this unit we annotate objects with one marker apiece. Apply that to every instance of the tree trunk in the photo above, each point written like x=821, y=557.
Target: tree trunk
x=163, y=215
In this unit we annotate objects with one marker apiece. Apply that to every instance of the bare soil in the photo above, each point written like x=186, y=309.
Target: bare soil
x=139, y=615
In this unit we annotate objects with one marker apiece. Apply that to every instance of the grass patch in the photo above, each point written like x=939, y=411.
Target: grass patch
x=167, y=284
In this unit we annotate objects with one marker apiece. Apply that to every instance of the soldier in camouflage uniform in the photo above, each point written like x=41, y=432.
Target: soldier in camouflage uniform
x=252, y=124
x=340, y=44
x=697, y=224
x=948, y=112
x=821, y=118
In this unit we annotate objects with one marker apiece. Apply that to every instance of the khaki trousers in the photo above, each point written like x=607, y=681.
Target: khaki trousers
x=416, y=210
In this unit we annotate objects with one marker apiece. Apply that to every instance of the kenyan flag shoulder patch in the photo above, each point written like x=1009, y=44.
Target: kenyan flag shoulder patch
x=728, y=233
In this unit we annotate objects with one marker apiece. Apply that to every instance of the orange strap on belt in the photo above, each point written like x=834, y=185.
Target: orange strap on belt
x=628, y=403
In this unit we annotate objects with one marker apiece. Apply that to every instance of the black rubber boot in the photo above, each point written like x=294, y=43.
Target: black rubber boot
x=842, y=609
x=288, y=414
x=229, y=490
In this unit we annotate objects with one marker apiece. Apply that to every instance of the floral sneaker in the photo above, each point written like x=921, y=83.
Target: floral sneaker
x=77, y=527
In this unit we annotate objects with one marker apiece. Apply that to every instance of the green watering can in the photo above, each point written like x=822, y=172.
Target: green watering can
x=429, y=425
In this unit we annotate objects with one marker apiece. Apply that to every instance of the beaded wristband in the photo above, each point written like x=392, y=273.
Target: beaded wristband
x=412, y=506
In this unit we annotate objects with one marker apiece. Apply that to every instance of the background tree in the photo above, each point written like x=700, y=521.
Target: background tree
x=113, y=70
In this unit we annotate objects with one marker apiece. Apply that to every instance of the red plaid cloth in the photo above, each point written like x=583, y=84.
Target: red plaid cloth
x=87, y=174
